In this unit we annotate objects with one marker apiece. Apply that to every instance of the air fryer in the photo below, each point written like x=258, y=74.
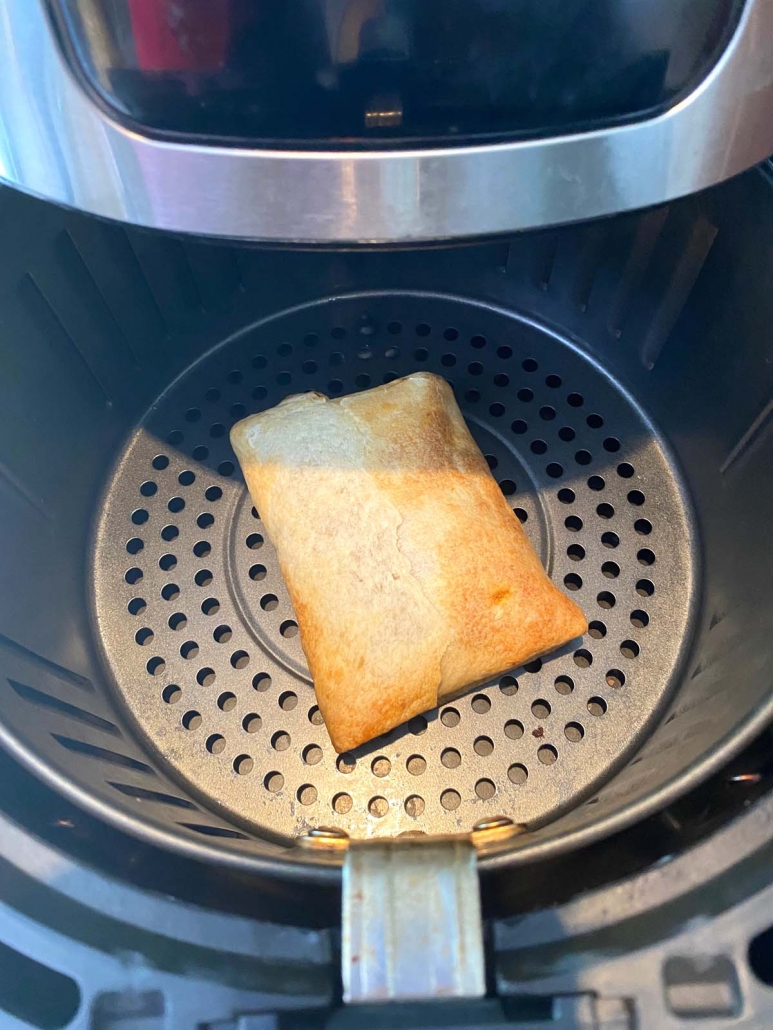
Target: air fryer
x=616, y=374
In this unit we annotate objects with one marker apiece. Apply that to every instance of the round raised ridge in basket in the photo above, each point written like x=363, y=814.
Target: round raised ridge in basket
x=202, y=641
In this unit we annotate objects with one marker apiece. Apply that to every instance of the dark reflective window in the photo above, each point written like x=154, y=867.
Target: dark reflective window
x=357, y=71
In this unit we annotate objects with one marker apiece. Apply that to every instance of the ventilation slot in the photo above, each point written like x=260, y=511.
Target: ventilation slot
x=141, y=794
x=53, y=704
x=80, y=747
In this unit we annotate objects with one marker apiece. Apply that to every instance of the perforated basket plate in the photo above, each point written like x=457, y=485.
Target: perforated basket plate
x=199, y=634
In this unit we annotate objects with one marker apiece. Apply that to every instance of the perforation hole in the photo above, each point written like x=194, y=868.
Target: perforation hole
x=483, y=746
x=170, y=592
x=508, y=686
x=226, y=702
x=519, y=427
x=450, y=717
x=643, y=527
x=414, y=806
x=645, y=588
x=485, y=789
x=583, y=658
x=547, y=754
x=610, y=539
x=513, y=729
x=639, y=619
x=171, y=694
x=605, y=599
x=566, y=496
x=615, y=679
x=540, y=709
x=596, y=483
x=346, y=763
x=572, y=581
x=597, y=706
x=517, y=774
x=378, y=807
x=215, y=743
x=280, y=741
x=450, y=800
x=136, y=606
x=597, y=630
x=630, y=649
x=566, y=433
x=605, y=511
x=564, y=685
x=574, y=732
x=288, y=701
x=576, y=552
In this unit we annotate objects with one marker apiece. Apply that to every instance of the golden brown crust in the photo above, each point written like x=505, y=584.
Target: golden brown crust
x=410, y=576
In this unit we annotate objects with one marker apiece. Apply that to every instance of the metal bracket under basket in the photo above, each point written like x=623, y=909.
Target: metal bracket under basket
x=411, y=914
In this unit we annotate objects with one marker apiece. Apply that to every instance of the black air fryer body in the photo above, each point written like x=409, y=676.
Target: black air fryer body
x=173, y=811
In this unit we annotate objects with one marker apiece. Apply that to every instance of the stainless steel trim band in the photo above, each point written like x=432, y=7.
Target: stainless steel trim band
x=56, y=143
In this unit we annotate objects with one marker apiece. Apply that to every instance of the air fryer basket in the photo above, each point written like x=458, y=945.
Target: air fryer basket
x=617, y=376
